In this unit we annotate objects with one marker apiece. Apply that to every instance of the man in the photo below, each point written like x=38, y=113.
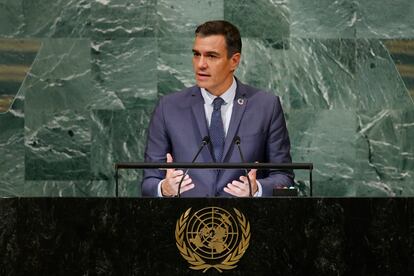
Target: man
x=222, y=108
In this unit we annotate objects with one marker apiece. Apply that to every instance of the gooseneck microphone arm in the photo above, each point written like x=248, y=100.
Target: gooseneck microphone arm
x=205, y=142
x=237, y=142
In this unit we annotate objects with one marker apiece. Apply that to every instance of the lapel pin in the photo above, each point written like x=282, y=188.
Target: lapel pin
x=240, y=101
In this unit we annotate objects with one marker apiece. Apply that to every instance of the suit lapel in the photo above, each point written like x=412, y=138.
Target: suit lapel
x=197, y=106
x=239, y=106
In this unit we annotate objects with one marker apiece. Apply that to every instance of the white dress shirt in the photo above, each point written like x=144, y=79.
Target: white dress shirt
x=226, y=108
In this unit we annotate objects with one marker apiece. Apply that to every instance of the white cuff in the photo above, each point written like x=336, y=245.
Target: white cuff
x=159, y=189
x=259, y=192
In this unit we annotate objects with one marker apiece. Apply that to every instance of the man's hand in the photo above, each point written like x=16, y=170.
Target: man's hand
x=241, y=188
x=169, y=186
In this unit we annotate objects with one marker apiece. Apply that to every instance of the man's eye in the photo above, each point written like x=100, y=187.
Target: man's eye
x=196, y=54
x=211, y=56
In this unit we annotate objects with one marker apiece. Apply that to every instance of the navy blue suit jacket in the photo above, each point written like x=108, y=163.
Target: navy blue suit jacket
x=179, y=124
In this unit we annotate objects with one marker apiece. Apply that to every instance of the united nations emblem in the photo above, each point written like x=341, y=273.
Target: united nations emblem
x=212, y=238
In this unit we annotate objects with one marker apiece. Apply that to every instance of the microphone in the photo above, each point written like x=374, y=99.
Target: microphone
x=205, y=142
x=237, y=142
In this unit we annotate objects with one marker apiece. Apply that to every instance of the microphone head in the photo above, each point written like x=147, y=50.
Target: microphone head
x=206, y=140
x=237, y=140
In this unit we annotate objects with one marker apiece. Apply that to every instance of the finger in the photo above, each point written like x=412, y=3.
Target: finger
x=177, y=173
x=251, y=181
x=176, y=181
x=252, y=173
x=239, y=188
x=232, y=192
x=169, y=160
x=181, y=177
x=187, y=182
x=187, y=187
x=237, y=184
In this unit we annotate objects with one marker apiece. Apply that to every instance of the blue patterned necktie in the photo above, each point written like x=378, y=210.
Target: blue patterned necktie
x=217, y=129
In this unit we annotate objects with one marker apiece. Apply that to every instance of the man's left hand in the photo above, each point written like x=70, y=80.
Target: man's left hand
x=241, y=188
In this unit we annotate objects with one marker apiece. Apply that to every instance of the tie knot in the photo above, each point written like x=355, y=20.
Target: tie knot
x=217, y=103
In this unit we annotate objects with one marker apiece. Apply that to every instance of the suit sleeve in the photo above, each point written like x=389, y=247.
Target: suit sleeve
x=277, y=151
x=157, y=147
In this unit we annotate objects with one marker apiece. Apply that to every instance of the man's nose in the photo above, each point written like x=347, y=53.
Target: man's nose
x=202, y=62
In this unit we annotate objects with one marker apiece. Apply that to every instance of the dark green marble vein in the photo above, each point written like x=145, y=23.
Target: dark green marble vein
x=11, y=19
x=124, y=70
x=261, y=18
x=323, y=18
x=59, y=149
x=119, y=136
x=174, y=64
x=327, y=139
x=120, y=18
x=263, y=65
x=402, y=54
x=385, y=19
x=12, y=162
x=68, y=188
x=321, y=73
x=56, y=19
x=180, y=18
x=385, y=150
x=58, y=93
x=378, y=82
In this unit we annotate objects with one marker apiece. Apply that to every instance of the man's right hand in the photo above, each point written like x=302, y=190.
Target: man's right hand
x=169, y=186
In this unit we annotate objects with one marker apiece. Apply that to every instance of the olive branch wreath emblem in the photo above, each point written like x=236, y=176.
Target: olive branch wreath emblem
x=197, y=262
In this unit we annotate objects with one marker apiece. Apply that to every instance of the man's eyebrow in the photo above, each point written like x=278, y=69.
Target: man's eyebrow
x=213, y=53
x=207, y=53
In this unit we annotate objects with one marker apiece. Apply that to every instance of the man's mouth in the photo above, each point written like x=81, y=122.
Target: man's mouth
x=203, y=75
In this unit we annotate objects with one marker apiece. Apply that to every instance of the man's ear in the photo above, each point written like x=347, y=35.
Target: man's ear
x=235, y=60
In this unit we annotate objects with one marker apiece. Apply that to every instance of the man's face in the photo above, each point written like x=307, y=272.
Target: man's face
x=213, y=70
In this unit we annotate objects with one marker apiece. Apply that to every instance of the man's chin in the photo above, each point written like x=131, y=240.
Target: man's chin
x=202, y=84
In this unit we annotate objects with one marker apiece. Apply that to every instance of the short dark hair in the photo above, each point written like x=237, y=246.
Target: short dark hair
x=225, y=28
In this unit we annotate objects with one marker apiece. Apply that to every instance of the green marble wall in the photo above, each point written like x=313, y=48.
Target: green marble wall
x=79, y=80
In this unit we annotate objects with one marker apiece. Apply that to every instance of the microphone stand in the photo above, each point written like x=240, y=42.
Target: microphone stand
x=237, y=142
x=205, y=142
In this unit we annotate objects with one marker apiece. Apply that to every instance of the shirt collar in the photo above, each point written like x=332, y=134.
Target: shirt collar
x=228, y=96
